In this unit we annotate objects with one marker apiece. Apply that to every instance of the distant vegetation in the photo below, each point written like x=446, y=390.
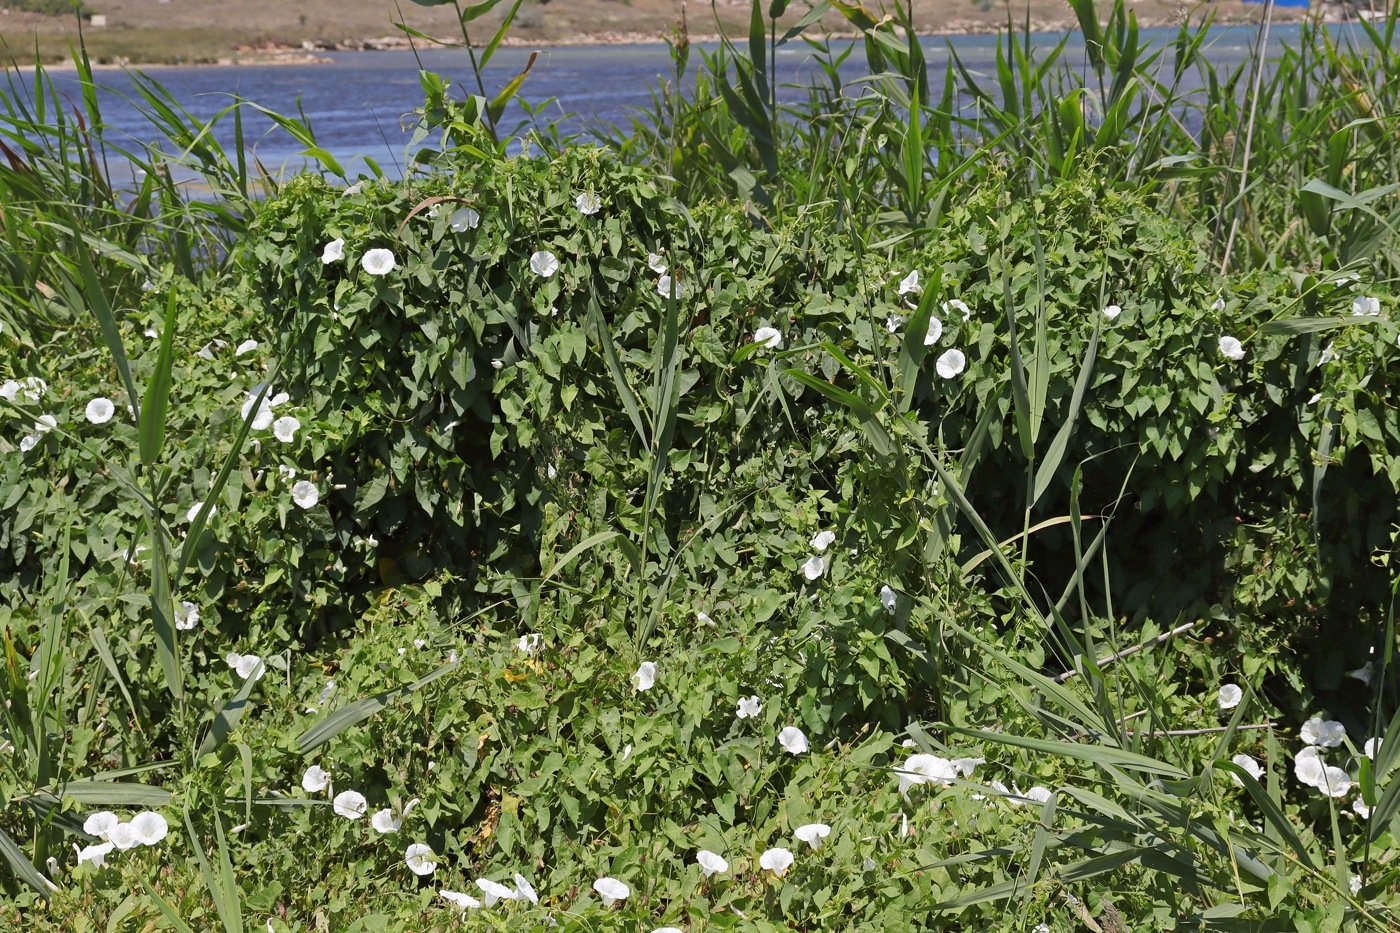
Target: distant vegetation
x=48, y=7
x=901, y=508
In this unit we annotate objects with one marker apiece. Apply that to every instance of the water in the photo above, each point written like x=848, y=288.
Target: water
x=361, y=103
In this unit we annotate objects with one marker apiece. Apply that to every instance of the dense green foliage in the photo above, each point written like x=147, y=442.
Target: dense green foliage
x=580, y=518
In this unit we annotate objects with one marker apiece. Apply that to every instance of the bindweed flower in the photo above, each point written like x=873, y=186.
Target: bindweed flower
x=792, y=740
x=246, y=665
x=749, y=707
x=951, y=363
x=611, y=890
x=1334, y=782
x=777, y=860
x=645, y=678
x=588, y=203
x=812, y=834
x=1229, y=696
x=543, y=263
x=669, y=287
x=710, y=863
x=45, y=424
x=814, y=567
x=888, y=598
x=1036, y=794
x=935, y=330
x=656, y=263
x=149, y=827
x=458, y=899
x=1328, y=734
x=315, y=779
x=823, y=539
x=494, y=891
x=334, y=251
x=1358, y=806
x=769, y=337
x=955, y=304
x=1231, y=349
x=420, y=859
x=186, y=615
x=101, y=824
x=920, y=769
x=100, y=410
x=668, y=930
x=1112, y=312
x=1364, y=306
x=529, y=643
x=29, y=442
x=285, y=428
x=1371, y=749
x=247, y=346
x=894, y=322
x=94, y=855
x=524, y=890
x=384, y=821
x=123, y=836
x=194, y=510
x=350, y=804
x=1249, y=765
x=305, y=494
x=910, y=283
x=464, y=219
x=378, y=262
x=1363, y=673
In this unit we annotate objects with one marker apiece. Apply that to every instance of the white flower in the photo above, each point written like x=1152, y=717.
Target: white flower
x=749, y=707
x=194, y=510
x=247, y=346
x=1327, y=355
x=951, y=363
x=1334, y=782
x=769, y=337
x=246, y=665
x=1229, y=696
x=1218, y=305
x=587, y=203
x=894, y=322
x=668, y=930
x=334, y=251
x=1249, y=765
x=669, y=287
x=94, y=855
x=1358, y=806
x=920, y=769
x=350, y=804
x=1371, y=748
x=420, y=859
x=1037, y=794
x=384, y=821
x=1328, y=734
x=524, y=890
x=1231, y=348
x=315, y=780
x=888, y=598
x=645, y=678
x=1316, y=397
x=1041, y=928
x=965, y=766
x=9, y=389
x=910, y=283
x=29, y=442
x=1354, y=882
x=814, y=567
x=123, y=836
x=1365, y=307
x=792, y=740
x=286, y=472
x=356, y=188
x=1308, y=766
x=812, y=834
x=45, y=424
x=149, y=827
x=822, y=540
x=957, y=304
x=935, y=330
x=186, y=615
x=377, y=262
x=464, y=219
x=529, y=644
x=458, y=899
x=32, y=387
x=1363, y=673
x=777, y=860
x=101, y=824
x=656, y=264
x=304, y=494
x=1112, y=311
x=100, y=410
x=710, y=863
x=611, y=890
x=543, y=263
x=285, y=428
x=494, y=891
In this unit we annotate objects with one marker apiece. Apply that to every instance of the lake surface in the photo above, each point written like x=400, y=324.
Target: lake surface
x=361, y=103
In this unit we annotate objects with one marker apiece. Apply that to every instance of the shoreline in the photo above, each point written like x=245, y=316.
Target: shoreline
x=315, y=53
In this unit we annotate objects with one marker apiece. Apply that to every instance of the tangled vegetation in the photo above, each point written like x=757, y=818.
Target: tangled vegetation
x=875, y=512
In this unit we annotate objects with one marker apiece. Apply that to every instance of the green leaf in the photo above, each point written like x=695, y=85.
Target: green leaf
x=357, y=712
